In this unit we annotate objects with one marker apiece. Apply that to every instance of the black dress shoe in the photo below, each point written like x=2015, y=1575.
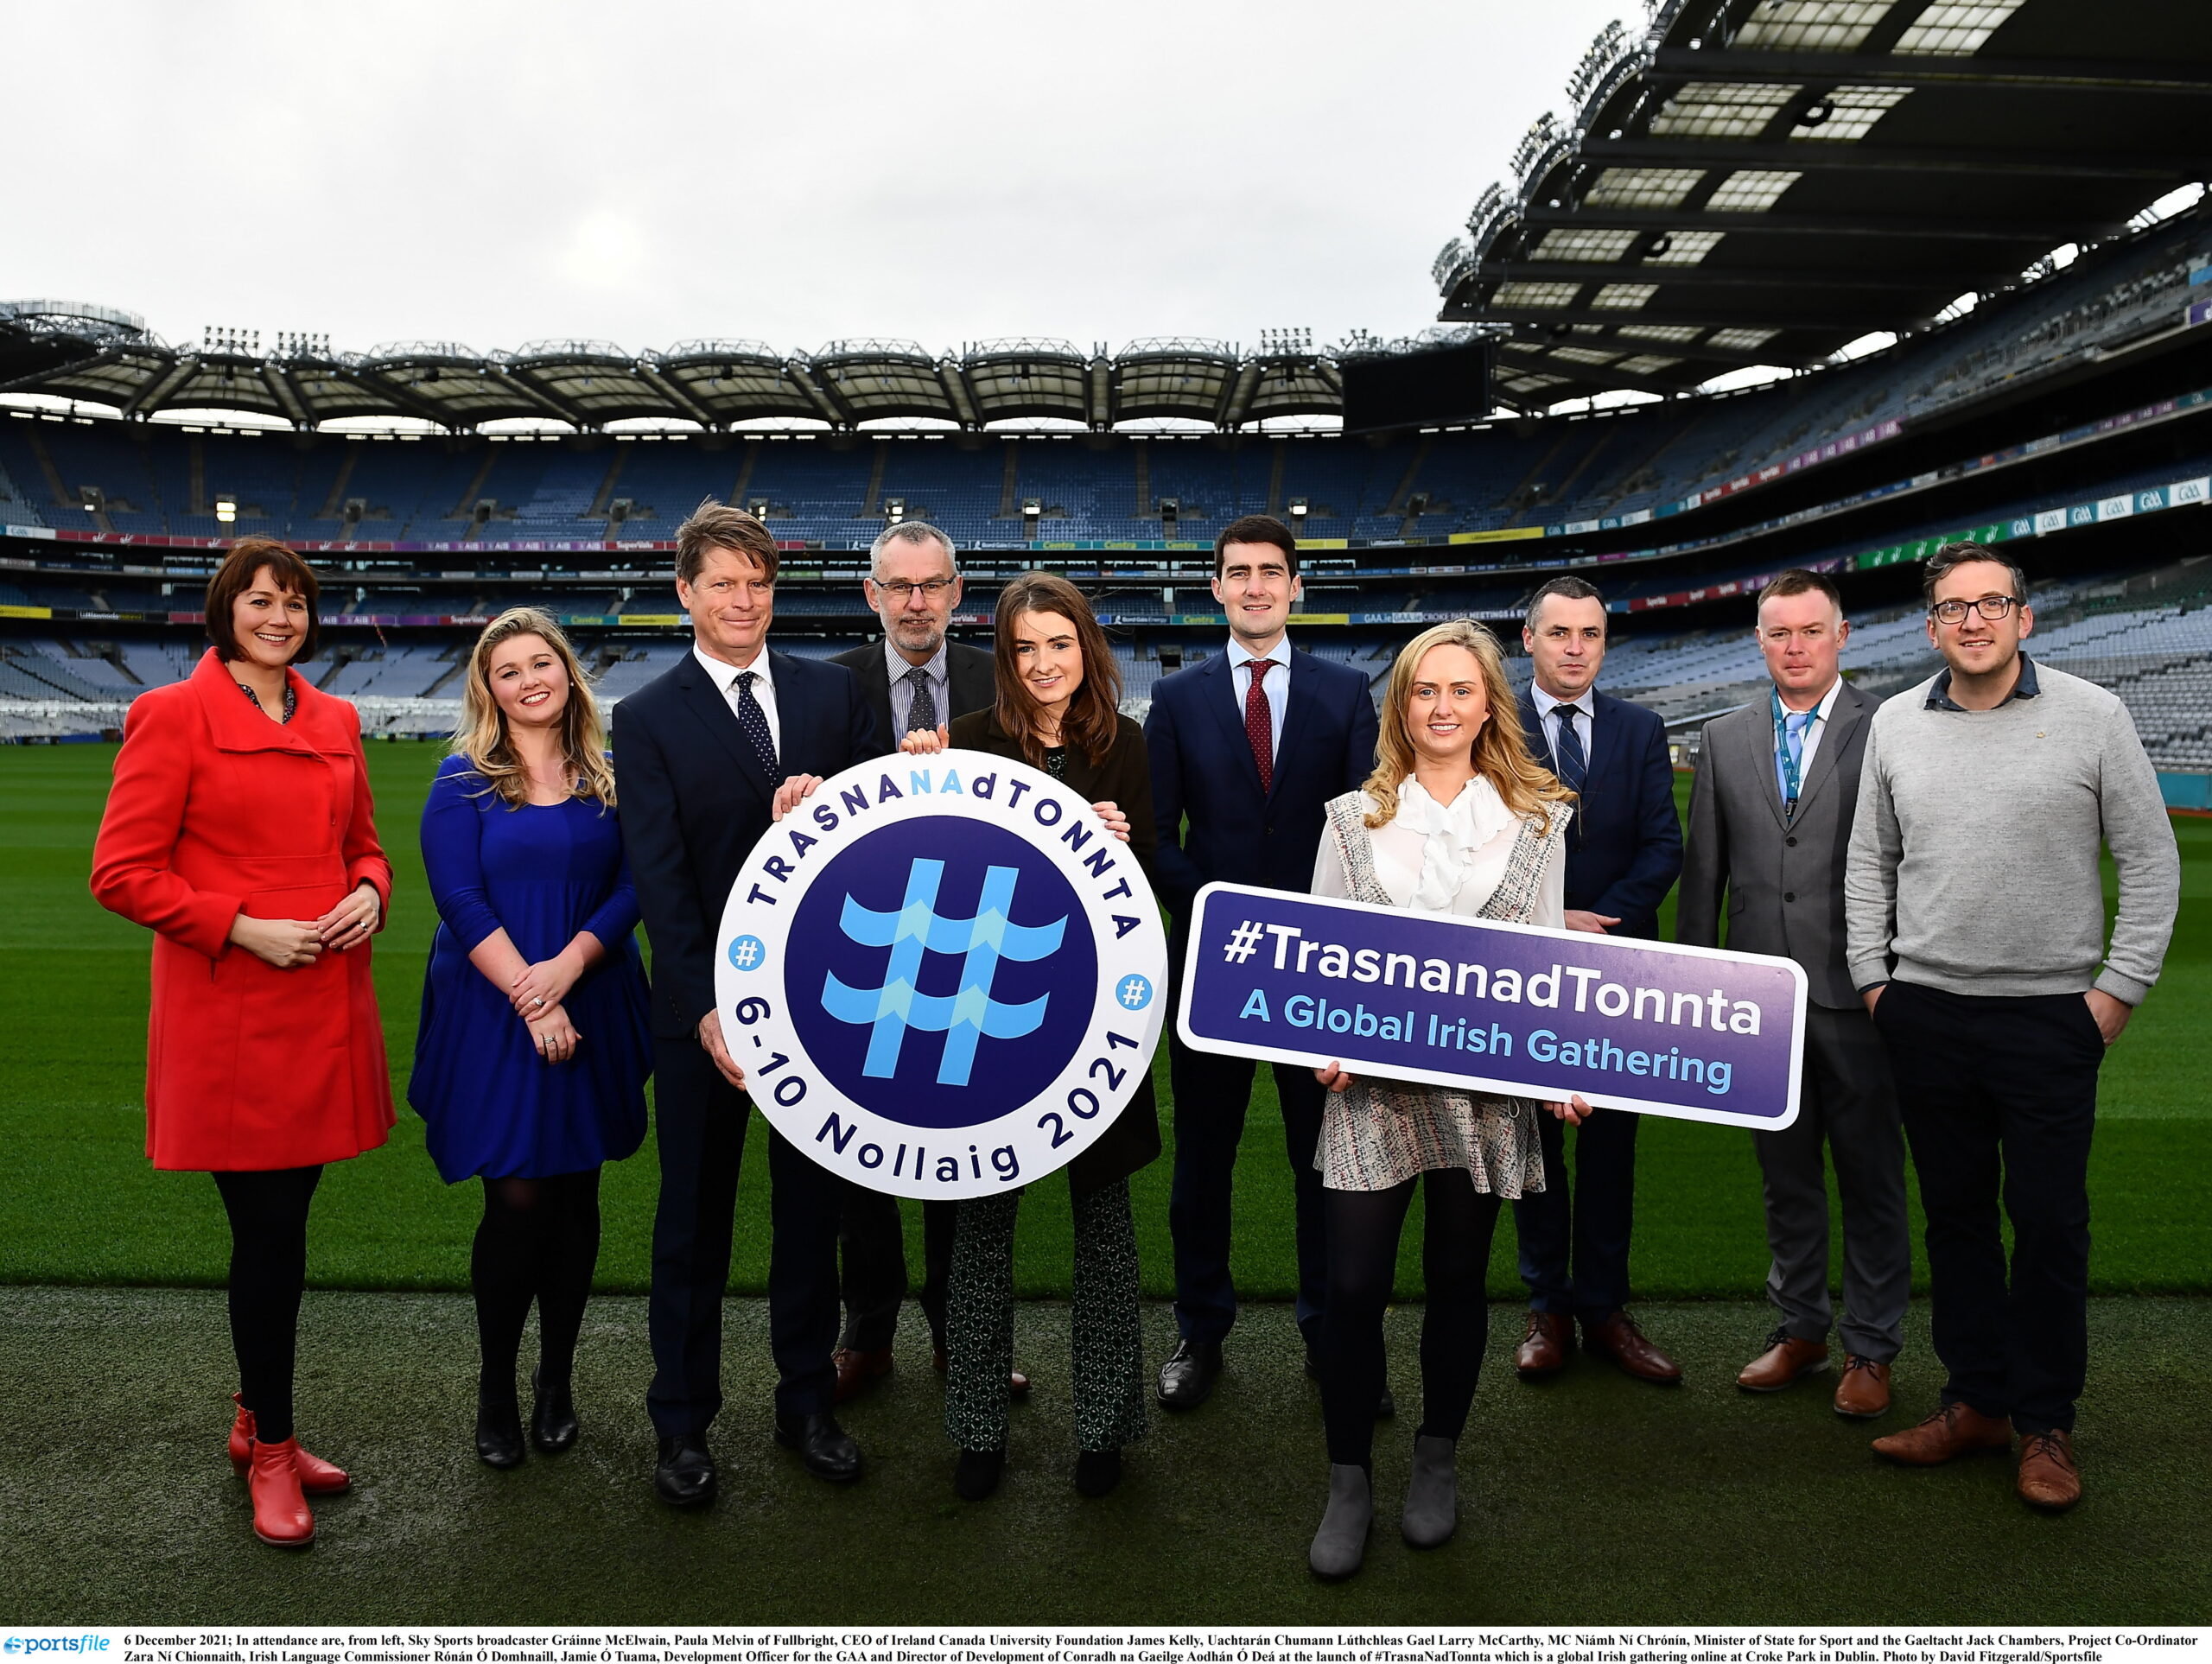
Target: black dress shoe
x=499, y=1431
x=826, y=1448
x=1188, y=1376
x=1096, y=1472
x=975, y=1475
x=552, y=1415
x=685, y=1477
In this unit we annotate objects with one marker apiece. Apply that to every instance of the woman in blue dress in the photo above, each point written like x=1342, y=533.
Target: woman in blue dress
x=531, y=1058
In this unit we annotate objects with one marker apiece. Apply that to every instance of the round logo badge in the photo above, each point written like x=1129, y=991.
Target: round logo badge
x=940, y=974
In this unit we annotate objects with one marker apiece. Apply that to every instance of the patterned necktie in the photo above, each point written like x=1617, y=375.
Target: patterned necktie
x=921, y=712
x=754, y=721
x=1259, y=723
x=1566, y=752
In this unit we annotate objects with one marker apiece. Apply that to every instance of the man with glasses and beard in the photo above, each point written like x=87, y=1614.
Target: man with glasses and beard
x=914, y=678
x=1975, y=915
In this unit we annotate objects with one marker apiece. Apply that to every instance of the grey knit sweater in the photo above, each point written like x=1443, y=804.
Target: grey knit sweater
x=1973, y=857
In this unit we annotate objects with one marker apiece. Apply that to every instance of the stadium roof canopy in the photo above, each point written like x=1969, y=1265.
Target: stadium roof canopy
x=68, y=350
x=1762, y=181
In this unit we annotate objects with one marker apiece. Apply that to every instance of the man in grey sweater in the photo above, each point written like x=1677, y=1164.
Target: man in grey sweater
x=1975, y=918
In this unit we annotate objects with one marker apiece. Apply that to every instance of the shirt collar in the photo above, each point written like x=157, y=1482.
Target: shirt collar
x=1819, y=712
x=1939, y=691
x=896, y=667
x=1240, y=655
x=724, y=675
x=1586, y=701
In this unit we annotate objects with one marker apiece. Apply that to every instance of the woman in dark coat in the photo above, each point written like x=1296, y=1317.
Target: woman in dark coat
x=1057, y=709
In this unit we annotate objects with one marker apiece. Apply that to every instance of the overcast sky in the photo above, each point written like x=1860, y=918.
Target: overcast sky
x=646, y=174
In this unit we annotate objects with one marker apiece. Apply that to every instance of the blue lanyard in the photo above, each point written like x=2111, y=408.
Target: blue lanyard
x=1791, y=782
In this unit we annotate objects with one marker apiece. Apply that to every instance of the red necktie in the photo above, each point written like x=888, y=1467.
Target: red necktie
x=1259, y=724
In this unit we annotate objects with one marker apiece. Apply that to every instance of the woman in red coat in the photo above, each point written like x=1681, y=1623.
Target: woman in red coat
x=239, y=831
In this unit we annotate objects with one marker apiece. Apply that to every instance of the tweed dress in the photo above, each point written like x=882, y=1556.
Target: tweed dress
x=1378, y=1132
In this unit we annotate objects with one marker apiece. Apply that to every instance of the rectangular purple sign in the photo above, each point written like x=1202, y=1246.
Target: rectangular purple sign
x=1652, y=1026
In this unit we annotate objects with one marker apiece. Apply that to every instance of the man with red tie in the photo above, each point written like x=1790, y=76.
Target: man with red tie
x=1246, y=748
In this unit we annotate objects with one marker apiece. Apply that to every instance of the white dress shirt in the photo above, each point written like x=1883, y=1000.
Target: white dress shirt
x=1445, y=858
x=1585, y=707
x=1810, y=742
x=1275, y=679
x=938, y=672
x=724, y=676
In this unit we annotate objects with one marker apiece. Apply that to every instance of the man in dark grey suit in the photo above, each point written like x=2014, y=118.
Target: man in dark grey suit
x=914, y=678
x=1770, y=816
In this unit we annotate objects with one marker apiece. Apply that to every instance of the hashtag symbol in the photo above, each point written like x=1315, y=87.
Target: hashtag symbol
x=748, y=954
x=1244, y=943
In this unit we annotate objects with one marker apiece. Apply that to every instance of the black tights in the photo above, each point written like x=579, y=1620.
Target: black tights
x=1362, y=1236
x=539, y=1239
x=268, y=1271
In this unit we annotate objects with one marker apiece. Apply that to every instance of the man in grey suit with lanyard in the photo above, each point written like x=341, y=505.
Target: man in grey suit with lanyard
x=915, y=678
x=1771, y=820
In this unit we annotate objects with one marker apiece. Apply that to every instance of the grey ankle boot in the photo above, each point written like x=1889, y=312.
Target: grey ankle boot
x=1433, y=1493
x=1341, y=1543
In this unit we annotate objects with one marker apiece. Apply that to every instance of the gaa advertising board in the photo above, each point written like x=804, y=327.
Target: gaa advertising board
x=942, y=976
x=1511, y=1009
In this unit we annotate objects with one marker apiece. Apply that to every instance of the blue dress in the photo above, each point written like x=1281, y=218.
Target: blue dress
x=542, y=873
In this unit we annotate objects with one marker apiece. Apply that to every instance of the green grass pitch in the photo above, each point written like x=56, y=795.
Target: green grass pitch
x=84, y=1207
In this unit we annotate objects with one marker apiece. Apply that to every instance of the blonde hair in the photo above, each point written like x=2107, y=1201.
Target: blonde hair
x=1500, y=753
x=483, y=738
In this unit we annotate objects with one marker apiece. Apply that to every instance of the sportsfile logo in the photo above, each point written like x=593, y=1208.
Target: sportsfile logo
x=940, y=977
x=20, y=1645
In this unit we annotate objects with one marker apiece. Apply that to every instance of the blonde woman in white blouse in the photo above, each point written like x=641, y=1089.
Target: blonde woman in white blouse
x=1457, y=818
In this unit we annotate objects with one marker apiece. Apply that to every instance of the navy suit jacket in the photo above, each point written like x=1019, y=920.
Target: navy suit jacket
x=1624, y=845
x=1202, y=767
x=694, y=801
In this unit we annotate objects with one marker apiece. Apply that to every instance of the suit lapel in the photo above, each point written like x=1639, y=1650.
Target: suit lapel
x=1224, y=708
x=1759, y=746
x=972, y=680
x=707, y=704
x=1297, y=703
x=1604, y=731
x=1849, y=709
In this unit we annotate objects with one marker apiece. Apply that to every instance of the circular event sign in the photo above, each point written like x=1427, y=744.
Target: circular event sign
x=941, y=975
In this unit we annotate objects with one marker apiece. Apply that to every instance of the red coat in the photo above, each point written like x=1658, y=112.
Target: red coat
x=217, y=810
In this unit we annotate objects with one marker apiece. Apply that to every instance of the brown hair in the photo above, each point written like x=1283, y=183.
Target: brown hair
x=1799, y=582
x=1500, y=751
x=1566, y=589
x=483, y=738
x=1951, y=555
x=1256, y=528
x=1093, y=717
x=717, y=525
x=248, y=559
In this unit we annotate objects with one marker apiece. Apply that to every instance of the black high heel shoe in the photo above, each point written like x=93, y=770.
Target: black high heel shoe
x=498, y=1431
x=552, y=1415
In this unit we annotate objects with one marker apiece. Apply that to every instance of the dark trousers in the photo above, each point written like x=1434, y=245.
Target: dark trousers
x=871, y=1246
x=268, y=1272
x=2000, y=1099
x=1847, y=1114
x=1574, y=1254
x=1457, y=1222
x=699, y=1120
x=1211, y=1095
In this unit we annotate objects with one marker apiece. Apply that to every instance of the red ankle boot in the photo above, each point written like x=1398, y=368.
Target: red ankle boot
x=280, y=1509
x=317, y=1476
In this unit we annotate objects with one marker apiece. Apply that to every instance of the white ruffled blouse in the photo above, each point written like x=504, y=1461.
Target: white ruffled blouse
x=1444, y=858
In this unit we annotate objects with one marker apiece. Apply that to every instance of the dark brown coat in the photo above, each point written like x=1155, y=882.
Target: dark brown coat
x=1123, y=778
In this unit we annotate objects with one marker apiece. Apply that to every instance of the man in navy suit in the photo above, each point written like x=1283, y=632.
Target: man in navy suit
x=1625, y=850
x=705, y=757
x=1248, y=745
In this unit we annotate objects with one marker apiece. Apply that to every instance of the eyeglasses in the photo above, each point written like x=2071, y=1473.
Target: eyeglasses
x=1995, y=608
x=898, y=588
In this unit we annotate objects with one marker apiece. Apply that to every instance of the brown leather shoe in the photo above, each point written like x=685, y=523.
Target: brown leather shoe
x=1864, y=1392
x=2049, y=1478
x=1954, y=1430
x=1017, y=1384
x=1544, y=1349
x=857, y=1371
x=1786, y=1358
x=1618, y=1338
